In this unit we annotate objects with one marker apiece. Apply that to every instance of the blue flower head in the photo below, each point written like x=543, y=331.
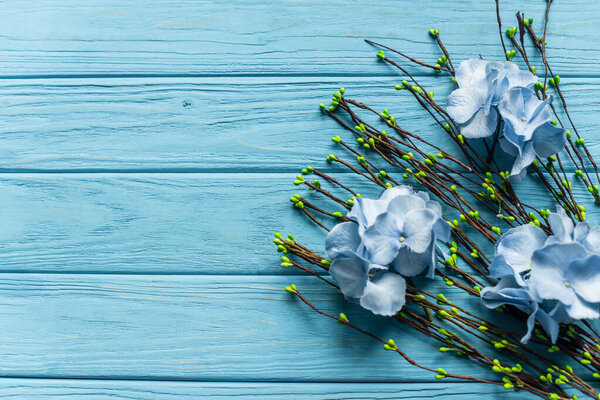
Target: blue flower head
x=528, y=131
x=481, y=86
x=388, y=238
x=540, y=272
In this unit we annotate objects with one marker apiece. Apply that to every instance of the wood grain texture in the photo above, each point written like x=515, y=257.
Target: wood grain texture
x=169, y=223
x=146, y=154
x=165, y=37
x=42, y=389
x=203, y=328
x=209, y=124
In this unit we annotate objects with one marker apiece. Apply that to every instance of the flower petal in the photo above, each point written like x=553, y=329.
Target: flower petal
x=517, y=245
x=507, y=291
x=418, y=229
x=384, y=294
x=434, y=206
x=343, y=237
x=508, y=146
x=402, y=205
x=592, y=240
x=549, y=324
x=548, y=139
x=521, y=108
x=481, y=125
x=561, y=225
x=500, y=269
x=522, y=78
x=581, y=231
x=512, y=108
x=393, y=192
x=559, y=314
x=381, y=240
x=409, y=263
x=584, y=277
x=548, y=269
x=442, y=231
x=581, y=309
x=538, y=110
x=471, y=72
x=464, y=103
x=365, y=211
x=523, y=160
x=350, y=272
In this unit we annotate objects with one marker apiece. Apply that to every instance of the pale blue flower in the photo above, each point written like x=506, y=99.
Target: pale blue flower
x=388, y=238
x=399, y=229
x=481, y=85
x=528, y=131
x=539, y=271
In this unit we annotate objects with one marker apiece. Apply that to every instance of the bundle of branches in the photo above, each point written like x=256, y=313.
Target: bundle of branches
x=544, y=266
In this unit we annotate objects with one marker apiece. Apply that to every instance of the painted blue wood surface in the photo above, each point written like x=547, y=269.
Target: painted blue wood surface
x=146, y=155
x=208, y=124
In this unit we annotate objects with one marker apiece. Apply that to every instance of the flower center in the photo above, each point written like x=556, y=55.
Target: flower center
x=483, y=103
x=523, y=119
x=567, y=284
x=402, y=239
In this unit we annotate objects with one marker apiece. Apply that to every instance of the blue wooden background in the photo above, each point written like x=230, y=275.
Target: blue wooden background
x=147, y=150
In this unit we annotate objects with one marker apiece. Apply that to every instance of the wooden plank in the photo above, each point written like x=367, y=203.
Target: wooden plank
x=202, y=328
x=208, y=124
x=43, y=389
x=168, y=223
x=53, y=38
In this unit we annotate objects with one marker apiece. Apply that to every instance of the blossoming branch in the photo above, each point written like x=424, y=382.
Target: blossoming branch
x=545, y=270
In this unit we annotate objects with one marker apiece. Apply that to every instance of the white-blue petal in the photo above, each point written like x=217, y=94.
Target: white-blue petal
x=442, y=230
x=471, y=72
x=418, y=229
x=507, y=291
x=483, y=124
x=561, y=225
x=522, y=78
x=409, y=263
x=549, y=324
x=382, y=239
x=464, y=103
x=517, y=245
x=548, y=268
x=584, y=277
x=581, y=232
x=365, y=211
x=350, y=272
x=393, y=192
x=548, y=139
x=581, y=309
x=402, y=205
x=523, y=160
x=592, y=240
x=343, y=237
x=384, y=294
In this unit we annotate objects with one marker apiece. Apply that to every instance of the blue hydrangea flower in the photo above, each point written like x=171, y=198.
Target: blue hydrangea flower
x=395, y=234
x=527, y=129
x=481, y=85
x=538, y=272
